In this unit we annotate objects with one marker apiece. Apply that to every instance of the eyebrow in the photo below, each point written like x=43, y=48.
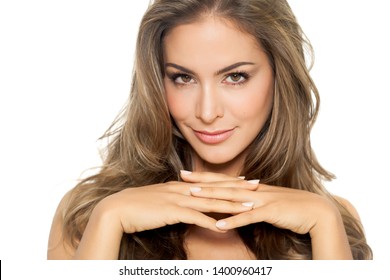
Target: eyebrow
x=219, y=72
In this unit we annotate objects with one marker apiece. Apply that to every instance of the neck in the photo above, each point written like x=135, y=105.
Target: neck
x=209, y=234
x=204, y=244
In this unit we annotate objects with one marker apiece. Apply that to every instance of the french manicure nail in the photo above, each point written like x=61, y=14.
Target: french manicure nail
x=185, y=172
x=195, y=189
x=248, y=204
x=241, y=177
x=220, y=224
x=254, y=182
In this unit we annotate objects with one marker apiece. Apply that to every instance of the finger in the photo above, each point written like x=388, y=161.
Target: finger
x=210, y=177
x=192, y=217
x=184, y=188
x=208, y=205
x=239, y=184
x=199, y=177
x=228, y=194
x=240, y=220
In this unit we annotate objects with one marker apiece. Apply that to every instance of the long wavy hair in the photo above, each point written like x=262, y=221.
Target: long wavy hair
x=144, y=146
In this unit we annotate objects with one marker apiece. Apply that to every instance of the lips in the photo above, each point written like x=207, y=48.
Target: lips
x=214, y=137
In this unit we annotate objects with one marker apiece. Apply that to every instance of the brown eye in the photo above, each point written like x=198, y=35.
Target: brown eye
x=186, y=78
x=236, y=77
x=182, y=79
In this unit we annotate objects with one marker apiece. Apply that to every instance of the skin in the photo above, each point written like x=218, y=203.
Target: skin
x=212, y=199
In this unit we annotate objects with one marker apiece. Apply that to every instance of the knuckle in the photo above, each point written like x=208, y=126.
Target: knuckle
x=250, y=217
x=210, y=203
x=245, y=185
x=173, y=186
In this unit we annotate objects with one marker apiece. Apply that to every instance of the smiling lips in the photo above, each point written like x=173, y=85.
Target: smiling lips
x=214, y=137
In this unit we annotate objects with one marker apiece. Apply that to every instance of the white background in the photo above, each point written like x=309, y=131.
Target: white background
x=65, y=69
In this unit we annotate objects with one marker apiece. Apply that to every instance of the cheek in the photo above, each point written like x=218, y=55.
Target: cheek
x=256, y=105
x=178, y=104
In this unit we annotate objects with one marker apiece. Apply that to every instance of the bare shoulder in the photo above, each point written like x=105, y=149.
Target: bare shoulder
x=57, y=248
x=348, y=205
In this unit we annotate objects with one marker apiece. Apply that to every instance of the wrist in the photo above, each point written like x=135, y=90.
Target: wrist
x=102, y=235
x=106, y=216
x=328, y=237
x=327, y=219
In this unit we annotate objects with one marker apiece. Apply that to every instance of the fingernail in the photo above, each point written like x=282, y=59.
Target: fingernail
x=220, y=224
x=195, y=189
x=241, y=177
x=248, y=204
x=185, y=172
x=254, y=182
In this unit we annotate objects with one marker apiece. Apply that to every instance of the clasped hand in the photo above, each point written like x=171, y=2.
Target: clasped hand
x=247, y=202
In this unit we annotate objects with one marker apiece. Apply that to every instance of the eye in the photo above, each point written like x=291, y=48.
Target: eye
x=182, y=79
x=236, y=78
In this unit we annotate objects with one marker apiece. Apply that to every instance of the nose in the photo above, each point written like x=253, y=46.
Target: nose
x=209, y=105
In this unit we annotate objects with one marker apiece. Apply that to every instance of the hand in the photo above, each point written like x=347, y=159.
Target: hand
x=297, y=210
x=143, y=208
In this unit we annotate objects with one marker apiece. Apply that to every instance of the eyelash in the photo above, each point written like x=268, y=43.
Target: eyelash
x=243, y=74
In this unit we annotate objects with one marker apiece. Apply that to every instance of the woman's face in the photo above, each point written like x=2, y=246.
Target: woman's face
x=219, y=88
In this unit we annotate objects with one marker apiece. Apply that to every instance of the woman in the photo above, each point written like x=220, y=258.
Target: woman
x=220, y=88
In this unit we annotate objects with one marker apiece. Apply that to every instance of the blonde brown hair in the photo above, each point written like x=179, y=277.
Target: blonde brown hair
x=144, y=146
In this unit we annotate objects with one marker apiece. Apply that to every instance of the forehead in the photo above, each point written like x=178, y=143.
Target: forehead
x=210, y=38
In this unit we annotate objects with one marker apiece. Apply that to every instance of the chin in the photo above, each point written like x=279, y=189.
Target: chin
x=219, y=159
